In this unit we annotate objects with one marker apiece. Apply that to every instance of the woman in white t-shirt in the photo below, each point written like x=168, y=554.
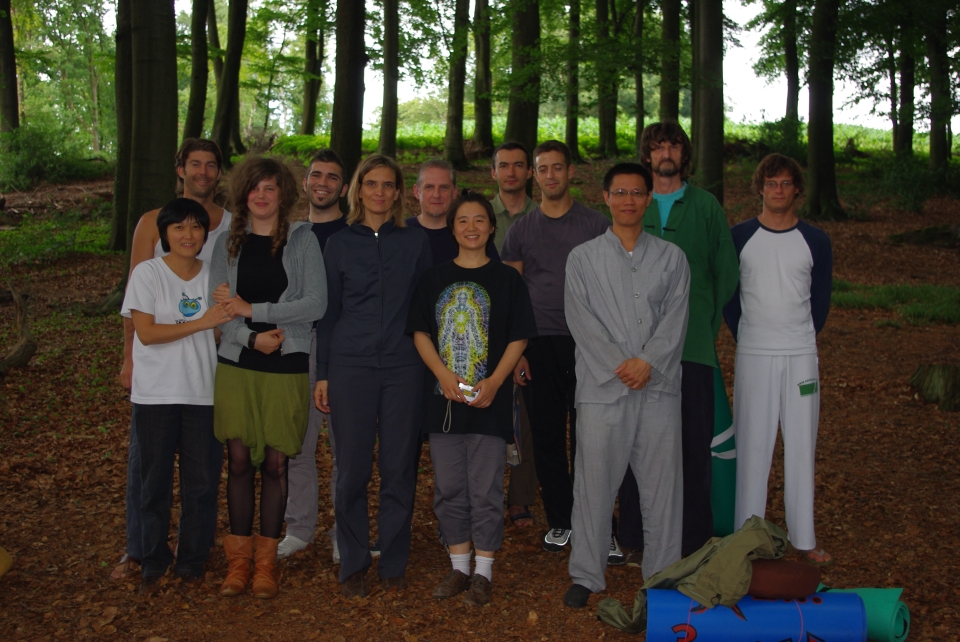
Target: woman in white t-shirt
x=168, y=299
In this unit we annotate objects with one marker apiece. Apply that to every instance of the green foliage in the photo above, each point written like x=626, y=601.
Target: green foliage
x=908, y=182
x=917, y=304
x=48, y=238
x=32, y=154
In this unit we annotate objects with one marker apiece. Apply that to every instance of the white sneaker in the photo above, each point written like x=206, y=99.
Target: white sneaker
x=289, y=545
x=556, y=539
x=615, y=557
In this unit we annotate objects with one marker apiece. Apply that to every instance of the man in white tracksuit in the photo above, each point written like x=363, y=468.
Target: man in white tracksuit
x=626, y=303
x=781, y=304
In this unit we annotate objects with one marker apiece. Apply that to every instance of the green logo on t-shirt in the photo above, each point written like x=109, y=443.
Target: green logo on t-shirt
x=808, y=387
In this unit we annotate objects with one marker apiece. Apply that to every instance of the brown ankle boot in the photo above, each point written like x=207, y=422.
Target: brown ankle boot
x=266, y=575
x=239, y=551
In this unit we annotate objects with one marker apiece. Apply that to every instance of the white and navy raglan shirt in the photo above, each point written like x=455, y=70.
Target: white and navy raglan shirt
x=783, y=297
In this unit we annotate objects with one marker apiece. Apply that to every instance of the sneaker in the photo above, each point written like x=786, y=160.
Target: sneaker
x=375, y=549
x=576, y=596
x=615, y=557
x=289, y=545
x=556, y=539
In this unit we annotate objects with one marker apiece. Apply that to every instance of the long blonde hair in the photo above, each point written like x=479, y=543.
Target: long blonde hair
x=244, y=179
x=353, y=196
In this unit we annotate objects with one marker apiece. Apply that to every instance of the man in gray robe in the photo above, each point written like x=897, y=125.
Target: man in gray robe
x=625, y=300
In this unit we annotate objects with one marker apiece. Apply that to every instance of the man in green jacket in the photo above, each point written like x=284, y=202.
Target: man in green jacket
x=692, y=219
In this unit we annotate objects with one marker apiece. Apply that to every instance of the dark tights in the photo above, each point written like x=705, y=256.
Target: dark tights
x=240, y=492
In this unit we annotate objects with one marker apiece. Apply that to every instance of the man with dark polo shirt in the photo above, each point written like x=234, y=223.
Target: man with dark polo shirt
x=537, y=246
x=436, y=187
x=511, y=169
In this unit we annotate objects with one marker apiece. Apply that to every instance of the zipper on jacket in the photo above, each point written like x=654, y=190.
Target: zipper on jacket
x=376, y=235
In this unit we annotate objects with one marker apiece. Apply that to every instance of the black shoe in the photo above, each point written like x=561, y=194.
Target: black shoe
x=149, y=586
x=576, y=596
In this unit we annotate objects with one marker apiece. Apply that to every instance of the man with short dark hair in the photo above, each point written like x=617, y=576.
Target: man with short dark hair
x=626, y=305
x=780, y=306
x=324, y=186
x=511, y=169
x=435, y=189
x=199, y=165
x=692, y=219
x=537, y=245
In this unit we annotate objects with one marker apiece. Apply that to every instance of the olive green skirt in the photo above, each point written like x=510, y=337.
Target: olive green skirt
x=261, y=409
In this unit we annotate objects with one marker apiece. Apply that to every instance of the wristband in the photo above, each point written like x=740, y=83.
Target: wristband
x=252, y=340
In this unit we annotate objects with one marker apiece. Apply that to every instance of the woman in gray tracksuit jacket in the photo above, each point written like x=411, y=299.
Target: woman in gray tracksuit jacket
x=369, y=375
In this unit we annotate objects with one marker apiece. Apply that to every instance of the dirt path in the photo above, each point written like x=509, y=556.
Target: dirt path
x=887, y=481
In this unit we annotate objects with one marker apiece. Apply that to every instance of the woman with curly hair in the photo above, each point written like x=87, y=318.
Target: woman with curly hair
x=272, y=278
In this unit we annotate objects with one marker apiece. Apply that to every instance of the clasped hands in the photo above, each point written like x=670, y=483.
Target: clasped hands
x=266, y=342
x=484, y=390
x=634, y=373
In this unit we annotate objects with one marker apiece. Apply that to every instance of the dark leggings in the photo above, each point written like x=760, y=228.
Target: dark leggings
x=240, y=492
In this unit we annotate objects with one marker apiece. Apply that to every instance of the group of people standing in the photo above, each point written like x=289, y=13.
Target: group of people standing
x=496, y=330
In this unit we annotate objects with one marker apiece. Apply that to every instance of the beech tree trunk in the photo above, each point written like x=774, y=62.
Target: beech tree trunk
x=606, y=83
x=822, y=202
x=938, y=61
x=670, y=61
x=523, y=111
x=638, y=71
x=193, y=127
x=214, y=36
x=453, y=139
x=791, y=59
x=226, y=123
x=892, y=71
x=904, y=142
x=482, y=80
x=9, y=103
x=123, y=90
x=154, y=127
x=391, y=76
x=312, y=67
x=346, y=133
x=708, y=71
x=572, y=133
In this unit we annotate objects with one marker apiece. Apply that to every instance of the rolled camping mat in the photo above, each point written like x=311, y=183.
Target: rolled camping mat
x=821, y=617
x=723, y=495
x=888, y=619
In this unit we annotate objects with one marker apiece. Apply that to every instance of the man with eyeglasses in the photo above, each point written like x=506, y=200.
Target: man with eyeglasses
x=625, y=299
x=692, y=219
x=786, y=275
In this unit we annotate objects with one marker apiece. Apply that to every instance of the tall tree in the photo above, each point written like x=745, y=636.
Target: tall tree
x=313, y=65
x=638, y=71
x=214, y=35
x=453, y=139
x=938, y=61
x=903, y=145
x=822, y=202
x=791, y=60
x=572, y=133
x=199, y=70
x=606, y=63
x=670, y=60
x=483, y=79
x=346, y=132
x=226, y=122
x=523, y=110
x=9, y=104
x=154, y=128
x=708, y=88
x=391, y=77
x=123, y=90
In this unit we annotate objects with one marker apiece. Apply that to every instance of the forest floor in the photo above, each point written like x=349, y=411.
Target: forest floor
x=887, y=471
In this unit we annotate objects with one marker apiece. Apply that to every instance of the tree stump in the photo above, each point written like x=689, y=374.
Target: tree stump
x=26, y=345
x=939, y=383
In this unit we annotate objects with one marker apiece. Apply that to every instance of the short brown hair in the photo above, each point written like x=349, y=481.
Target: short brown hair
x=552, y=146
x=353, y=196
x=191, y=145
x=774, y=165
x=666, y=132
x=244, y=179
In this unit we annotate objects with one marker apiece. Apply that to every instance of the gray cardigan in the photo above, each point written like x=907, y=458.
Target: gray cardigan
x=301, y=304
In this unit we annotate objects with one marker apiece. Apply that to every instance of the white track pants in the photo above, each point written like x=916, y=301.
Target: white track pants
x=767, y=390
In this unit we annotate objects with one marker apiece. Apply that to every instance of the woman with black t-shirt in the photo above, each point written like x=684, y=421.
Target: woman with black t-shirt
x=273, y=280
x=470, y=319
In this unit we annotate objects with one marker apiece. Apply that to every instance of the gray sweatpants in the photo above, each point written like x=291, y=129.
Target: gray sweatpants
x=302, y=482
x=644, y=433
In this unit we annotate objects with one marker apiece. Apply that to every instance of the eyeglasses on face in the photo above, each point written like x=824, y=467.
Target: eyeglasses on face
x=622, y=193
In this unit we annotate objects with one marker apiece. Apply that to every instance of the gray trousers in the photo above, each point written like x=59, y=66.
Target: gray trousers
x=523, y=478
x=302, y=483
x=468, y=488
x=645, y=434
